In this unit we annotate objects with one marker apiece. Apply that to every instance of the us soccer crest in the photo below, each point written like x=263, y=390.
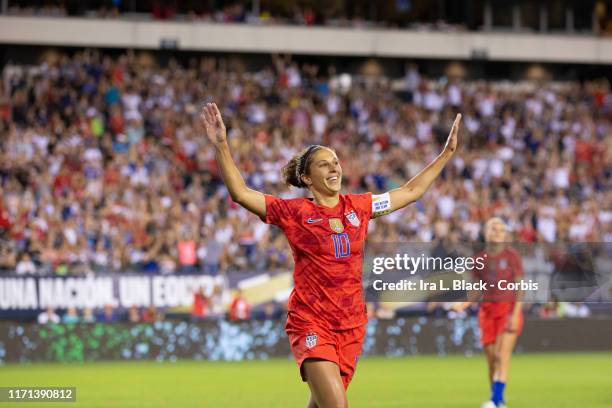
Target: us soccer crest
x=311, y=340
x=353, y=219
x=336, y=225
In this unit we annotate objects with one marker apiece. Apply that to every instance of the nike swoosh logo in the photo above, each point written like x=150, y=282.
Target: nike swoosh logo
x=312, y=221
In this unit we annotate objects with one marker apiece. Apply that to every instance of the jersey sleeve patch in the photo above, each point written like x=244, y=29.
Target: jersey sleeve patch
x=381, y=204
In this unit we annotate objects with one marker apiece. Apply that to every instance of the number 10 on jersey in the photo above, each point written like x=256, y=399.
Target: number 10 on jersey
x=342, y=246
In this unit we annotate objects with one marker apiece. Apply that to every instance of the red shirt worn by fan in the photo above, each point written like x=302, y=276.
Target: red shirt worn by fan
x=327, y=245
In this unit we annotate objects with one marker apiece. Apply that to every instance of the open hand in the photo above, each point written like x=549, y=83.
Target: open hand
x=451, y=142
x=213, y=123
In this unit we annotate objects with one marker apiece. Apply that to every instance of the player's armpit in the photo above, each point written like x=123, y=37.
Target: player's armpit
x=254, y=201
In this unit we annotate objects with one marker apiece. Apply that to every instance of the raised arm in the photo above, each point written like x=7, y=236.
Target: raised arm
x=250, y=199
x=416, y=187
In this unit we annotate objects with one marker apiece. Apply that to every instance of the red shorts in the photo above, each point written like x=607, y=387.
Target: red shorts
x=313, y=340
x=493, y=324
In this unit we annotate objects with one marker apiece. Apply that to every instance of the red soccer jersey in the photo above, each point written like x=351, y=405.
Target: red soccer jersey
x=327, y=245
x=506, y=266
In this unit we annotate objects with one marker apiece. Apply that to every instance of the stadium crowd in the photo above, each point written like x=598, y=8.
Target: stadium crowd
x=103, y=165
x=396, y=14
x=333, y=14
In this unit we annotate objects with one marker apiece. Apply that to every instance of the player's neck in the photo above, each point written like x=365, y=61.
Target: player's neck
x=495, y=248
x=329, y=201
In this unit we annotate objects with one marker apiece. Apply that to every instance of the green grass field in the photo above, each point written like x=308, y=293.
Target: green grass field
x=538, y=380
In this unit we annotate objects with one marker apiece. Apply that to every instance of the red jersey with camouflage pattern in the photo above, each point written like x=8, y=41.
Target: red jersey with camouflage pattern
x=327, y=245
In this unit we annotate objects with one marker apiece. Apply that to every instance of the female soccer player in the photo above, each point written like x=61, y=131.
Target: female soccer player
x=500, y=315
x=326, y=309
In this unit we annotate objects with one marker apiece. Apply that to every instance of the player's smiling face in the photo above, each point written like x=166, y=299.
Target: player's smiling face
x=325, y=172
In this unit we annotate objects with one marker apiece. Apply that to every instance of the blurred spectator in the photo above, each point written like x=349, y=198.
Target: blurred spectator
x=48, y=316
x=71, y=315
x=8, y=257
x=550, y=309
x=88, y=315
x=151, y=314
x=602, y=16
x=569, y=309
x=210, y=253
x=25, y=266
x=379, y=311
x=216, y=308
x=239, y=308
x=272, y=311
x=268, y=311
x=163, y=10
x=200, y=305
x=187, y=257
x=108, y=314
x=133, y=314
